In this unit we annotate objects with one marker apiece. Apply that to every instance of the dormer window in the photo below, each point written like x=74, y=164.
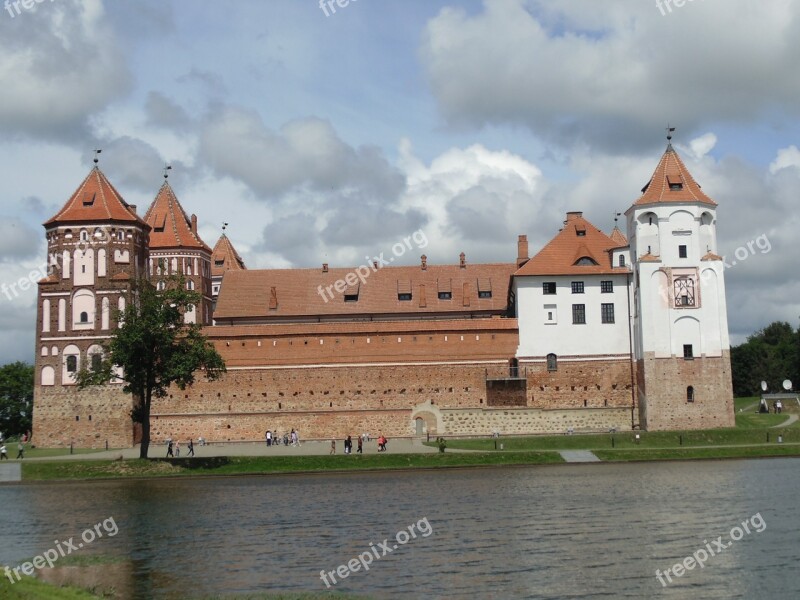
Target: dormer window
x=351, y=297
x=405, y=297
x=675, y=183
x=585, y=261
x=219, y=263
x=89, y=200
x=580, y=231
x=445, y=295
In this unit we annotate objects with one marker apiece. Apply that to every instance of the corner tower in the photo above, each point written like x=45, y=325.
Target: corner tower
x=223, y=258
x=176, y=249
x=96, y=247
x=681, y=344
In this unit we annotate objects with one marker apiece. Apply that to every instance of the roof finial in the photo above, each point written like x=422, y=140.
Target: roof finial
x=617, y=215
x=96, y=153
x=669, y=135
x=167, y=167
x=224, y=227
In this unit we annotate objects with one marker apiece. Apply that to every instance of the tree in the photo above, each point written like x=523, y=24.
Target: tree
x=771, y=354
x=154, y=348
x=16, y=398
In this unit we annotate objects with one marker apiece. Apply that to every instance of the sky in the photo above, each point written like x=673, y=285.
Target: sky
x=330, y=133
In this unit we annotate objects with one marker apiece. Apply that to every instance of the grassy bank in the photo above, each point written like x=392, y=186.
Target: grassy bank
x=698, y=453
x=248, y=465
x=29, y=588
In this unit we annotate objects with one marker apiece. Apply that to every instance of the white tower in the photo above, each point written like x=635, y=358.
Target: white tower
x=681, y=344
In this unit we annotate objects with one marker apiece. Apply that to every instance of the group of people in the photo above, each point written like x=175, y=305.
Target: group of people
x=348, y=444
x=174, y=449
x=292, y=438
x=20, y=446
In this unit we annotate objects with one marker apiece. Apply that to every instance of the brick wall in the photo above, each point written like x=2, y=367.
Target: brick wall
x=527, y=420
x=664, y=404
x=87, y=418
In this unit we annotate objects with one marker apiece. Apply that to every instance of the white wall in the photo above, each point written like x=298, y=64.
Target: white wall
x=539, y=337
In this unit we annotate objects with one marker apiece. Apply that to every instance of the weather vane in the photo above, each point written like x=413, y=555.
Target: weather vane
x=616, y=217
x=96, y=154
x=224, y=227
x=167, y=167
x=670, y=130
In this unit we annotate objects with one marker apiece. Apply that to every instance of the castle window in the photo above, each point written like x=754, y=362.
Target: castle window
x=579, y=314
x=607, y=287
x=577, y=287
x=621, y=260
x=72, y=363
x=160, y=286
x=84, y=317
x=585, y=261
x=684, y=292
x=607, y=313
x=445, y=295
x=688, y=351
x=404, y=297
x=485, y=294
x=219, y=263
x=190, y=285
x=548, y=288
x=552, y=362
x=97, y=361
x=84, y=236
x=682, y=253
x=690, y=394
x=351, y=297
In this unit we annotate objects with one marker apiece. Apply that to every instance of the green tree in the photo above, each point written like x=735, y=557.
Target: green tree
x=771, y=354
x=155, y=349
x=16, y=398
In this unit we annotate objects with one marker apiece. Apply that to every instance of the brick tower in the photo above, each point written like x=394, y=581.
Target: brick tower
x=176, y=249
x=96, y=247
x=681, y=343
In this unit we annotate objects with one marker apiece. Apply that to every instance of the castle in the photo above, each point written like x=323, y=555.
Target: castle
x=596, y=331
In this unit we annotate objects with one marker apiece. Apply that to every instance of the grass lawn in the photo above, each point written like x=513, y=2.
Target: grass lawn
x=242, y=465
x=29, y=588
x=694, y=453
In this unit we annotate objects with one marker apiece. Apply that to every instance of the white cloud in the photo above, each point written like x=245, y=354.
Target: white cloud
x=787, y=157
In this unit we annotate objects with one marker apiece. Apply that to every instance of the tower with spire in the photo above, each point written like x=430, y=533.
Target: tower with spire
x=681, y=346
x=176, y=249
x=224, y=258
x=96, y=248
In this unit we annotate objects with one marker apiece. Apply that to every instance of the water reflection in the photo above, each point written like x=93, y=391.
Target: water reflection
x=597, y=531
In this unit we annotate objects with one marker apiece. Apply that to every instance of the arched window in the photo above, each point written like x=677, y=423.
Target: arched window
x=84, y=317
x=161, y=286
x=72, y=363
x=552, y=362
x=690, y=394
x=621, y=260
x=97, y=361
x=84, y=235
x=190, y=285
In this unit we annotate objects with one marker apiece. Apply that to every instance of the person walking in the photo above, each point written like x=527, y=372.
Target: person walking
x=348, y=445
x=21, y=450
x=191, y=448
x=177, y=449
x=268, y=437
x=360, y=445
x=3, y=452
x=333, y=447
x=169, y=449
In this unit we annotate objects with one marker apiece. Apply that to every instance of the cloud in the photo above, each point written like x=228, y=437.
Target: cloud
x=18, y=240
x=608, y=74
x=162, y=112
x=307, y=152
x=787, y=158
x=59, y=66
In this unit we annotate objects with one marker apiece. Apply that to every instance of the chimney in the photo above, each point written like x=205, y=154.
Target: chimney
x=575, y=214
x=324, y=267
x=194, y=224
x=424, y=262
x=522, y=250
x=462, y=260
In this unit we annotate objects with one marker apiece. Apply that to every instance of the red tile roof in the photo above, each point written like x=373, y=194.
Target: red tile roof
x=95, y=200
x=579, y=239
x=171, y=227
x=672, y=182
x=619, y=237
x=295, y=293
x=225, y=258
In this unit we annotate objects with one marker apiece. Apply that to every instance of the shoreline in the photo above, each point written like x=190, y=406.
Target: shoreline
x=43, y=471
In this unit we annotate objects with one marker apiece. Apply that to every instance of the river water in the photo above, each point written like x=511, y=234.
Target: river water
x=572, y=531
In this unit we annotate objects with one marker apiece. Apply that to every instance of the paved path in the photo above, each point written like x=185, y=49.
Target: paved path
x=11, y=471
x=789, y=421
x=398, y=446
x=578, y=456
